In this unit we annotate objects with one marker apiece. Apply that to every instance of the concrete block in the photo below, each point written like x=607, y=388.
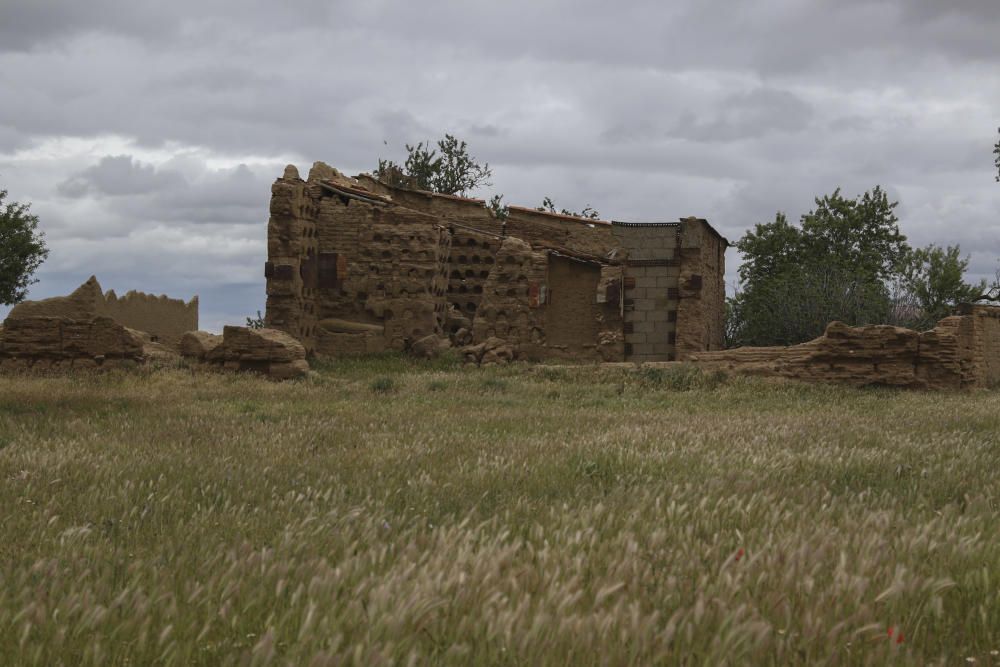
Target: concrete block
x=655, y=315
x=643, y=327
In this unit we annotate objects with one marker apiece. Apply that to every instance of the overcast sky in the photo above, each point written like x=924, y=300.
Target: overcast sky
x=147, y=134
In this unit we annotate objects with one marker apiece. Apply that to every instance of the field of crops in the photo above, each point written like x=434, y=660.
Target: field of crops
x=387, y=511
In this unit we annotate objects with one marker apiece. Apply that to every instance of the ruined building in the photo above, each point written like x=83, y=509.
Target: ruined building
x=164, y=319
x=357, y=266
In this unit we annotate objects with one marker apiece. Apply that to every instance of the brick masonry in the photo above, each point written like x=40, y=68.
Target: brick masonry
x=356, y=266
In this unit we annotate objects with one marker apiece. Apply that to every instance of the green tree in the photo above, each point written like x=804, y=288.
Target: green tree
x=448, y=169
x=22, y=250
x=932, y=282
x=835, y=266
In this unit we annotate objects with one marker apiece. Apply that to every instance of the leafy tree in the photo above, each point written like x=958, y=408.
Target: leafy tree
x=795, y=305
x=448, y=169
x=550, y=207
x=932, y=282
x=22, y=250
x=835, y=266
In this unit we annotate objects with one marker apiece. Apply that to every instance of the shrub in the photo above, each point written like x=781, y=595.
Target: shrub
x=383, y=385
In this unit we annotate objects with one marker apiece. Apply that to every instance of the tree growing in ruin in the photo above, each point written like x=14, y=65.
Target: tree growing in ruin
x=22, y=250
x=588, y=213
x=448, y=169
x=996, y=160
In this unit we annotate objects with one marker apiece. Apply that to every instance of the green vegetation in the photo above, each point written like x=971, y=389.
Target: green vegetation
x=22, y=250
x=507, y=516
x=548, y=206
x=449, y=169
x=847, y=261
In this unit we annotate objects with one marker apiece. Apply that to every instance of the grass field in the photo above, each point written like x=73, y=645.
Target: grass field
x=388, y=511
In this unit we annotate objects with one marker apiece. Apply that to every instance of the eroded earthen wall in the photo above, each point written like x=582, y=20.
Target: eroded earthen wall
x=701, y=309
x=548, y=230
x=962, y=351
x=357, y=266
x=163, y=318
x=471, y=258
x=511, y=307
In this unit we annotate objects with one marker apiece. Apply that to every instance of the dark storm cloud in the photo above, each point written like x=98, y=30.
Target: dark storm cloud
x=147, y=133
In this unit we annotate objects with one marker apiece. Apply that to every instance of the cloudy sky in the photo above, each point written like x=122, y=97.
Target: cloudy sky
x=146, y=134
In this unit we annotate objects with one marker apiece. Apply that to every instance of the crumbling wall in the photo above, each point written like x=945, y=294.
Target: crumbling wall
x=163, y=318
x=345, y=263
x=981, y=342
x=291, y=237
x=962, y=351
x=471, y=258
x=61, y=343
x=701, y=310
x=357, y=266
x=561, y=232
x=513, y=294
x=469, y=212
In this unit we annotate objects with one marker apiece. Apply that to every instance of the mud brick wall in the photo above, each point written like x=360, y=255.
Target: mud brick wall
x=701, y=310
x=340, y=257
x=292, y=238
x=46, y=342
x=403, y=255
x=511, y=306
x=163, y=318
x=551, y=230
x=461, y=210
x=651, y=290
x=961, y=352
x=988, y=320
x=471, y=258
x=981, y=343
x=356, y=266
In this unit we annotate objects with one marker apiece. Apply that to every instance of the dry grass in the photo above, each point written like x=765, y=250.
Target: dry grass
x=394, y=512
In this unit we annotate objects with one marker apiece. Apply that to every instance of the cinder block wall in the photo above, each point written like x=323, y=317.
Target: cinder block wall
x=651, y=297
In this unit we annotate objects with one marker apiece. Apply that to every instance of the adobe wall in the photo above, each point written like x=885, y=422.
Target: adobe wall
x=357, y=266
x=49, y=342
x=961, y=352
x=163, y=318
x=701, y=311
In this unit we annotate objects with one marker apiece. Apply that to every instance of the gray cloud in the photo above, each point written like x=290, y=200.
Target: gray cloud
x=147, y=134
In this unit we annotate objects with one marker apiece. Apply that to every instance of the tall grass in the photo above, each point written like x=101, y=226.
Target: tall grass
x=494, y=516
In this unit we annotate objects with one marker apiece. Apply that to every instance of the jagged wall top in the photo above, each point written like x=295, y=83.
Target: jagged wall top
x=160, y=316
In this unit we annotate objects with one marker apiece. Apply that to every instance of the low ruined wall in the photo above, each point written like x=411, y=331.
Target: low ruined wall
x=59, y=343
x=961, y=352
x=163, y=318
